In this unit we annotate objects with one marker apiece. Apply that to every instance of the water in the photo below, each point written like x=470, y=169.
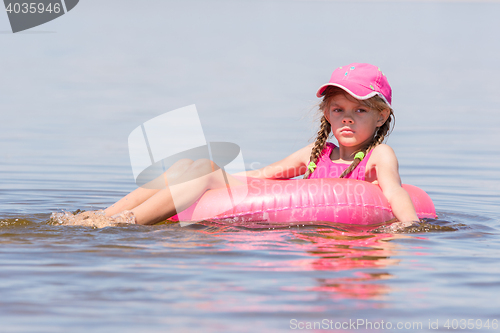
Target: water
x=73, y=89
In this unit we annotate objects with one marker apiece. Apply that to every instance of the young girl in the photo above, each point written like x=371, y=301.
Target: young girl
x=356, y=109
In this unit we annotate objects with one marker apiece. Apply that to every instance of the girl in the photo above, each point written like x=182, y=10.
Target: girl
x=356, y=109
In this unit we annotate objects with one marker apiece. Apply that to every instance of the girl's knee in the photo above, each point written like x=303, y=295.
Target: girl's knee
x=179, y=167
x=184, y=162
x=203, y=165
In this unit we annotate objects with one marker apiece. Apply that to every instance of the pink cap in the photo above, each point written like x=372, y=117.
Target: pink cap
x=361, y=81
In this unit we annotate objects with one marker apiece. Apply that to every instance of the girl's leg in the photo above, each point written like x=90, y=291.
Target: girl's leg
x=199, y=178
x=141, y=194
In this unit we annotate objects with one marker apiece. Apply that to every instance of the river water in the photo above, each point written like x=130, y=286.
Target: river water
x=72, y=90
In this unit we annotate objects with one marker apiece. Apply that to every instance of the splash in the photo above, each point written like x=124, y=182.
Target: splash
x=423, y=226
x=96, y=218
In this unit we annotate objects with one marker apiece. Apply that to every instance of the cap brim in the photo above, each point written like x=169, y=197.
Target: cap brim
x=361, y=95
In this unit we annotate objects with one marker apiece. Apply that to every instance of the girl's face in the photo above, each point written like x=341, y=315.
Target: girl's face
x=353, y=124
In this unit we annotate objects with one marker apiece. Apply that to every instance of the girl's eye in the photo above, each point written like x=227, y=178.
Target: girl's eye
x=336, y=110
x=362, y=110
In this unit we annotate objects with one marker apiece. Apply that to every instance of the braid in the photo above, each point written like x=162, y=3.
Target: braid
x=353, y=165
x=323, y=134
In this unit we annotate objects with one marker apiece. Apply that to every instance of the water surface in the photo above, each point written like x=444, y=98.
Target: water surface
x=70, y=98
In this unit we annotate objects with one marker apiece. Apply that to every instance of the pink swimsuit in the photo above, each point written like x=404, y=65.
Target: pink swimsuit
x=325, y=168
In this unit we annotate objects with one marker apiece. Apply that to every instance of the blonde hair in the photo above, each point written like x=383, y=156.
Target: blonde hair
x=375, y=103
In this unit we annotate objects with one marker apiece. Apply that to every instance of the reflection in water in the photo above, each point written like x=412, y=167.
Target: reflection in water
x=322, y=249
x=350, y=251
x=204, y=268
x=362, y=287
x=347, y=264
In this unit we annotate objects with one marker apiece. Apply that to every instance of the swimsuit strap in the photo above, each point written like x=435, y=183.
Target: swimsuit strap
x=327, y=151
x=365, y=160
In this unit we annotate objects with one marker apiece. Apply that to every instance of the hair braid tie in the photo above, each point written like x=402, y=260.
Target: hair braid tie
x=311, y=166
x=359, y=155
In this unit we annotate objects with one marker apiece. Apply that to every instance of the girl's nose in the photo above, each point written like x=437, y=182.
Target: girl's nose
x=347, y=120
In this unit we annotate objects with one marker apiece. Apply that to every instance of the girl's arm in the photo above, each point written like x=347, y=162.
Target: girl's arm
x=387, y=168
x=291, y=166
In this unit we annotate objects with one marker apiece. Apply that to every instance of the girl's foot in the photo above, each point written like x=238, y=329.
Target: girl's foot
x=96, y=219
x=124, y=217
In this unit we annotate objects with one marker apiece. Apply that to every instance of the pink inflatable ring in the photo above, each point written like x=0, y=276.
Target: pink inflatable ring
x=266, y=202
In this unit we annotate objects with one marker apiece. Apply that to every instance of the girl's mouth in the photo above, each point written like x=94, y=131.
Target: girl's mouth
x=346, y=130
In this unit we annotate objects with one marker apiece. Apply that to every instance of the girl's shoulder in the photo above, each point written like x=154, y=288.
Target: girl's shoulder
x=382, y=161
x=383, y=154
x=383, y=149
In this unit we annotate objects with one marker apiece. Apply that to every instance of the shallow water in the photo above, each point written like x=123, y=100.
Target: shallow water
x=71, y=97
